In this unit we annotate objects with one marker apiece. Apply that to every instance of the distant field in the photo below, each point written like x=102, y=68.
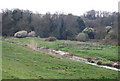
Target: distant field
x=23, y=63
x=82, y=49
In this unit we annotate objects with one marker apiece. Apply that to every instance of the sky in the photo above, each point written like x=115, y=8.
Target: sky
x=76, y=7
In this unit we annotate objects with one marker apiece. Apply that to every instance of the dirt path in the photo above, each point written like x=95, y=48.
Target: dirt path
x=61, y=54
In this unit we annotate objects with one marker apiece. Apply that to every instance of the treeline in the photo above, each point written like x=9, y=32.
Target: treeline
x=58, y=25
x=99, y=20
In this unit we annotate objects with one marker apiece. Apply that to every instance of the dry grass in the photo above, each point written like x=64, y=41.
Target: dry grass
x=33, y=45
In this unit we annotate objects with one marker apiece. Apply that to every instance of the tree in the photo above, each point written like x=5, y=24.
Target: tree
x=81, y=23
x=58, y=25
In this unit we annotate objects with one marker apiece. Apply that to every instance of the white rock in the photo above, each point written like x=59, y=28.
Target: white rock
x=21, y=34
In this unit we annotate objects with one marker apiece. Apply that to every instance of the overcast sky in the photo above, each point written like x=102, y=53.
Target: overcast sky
x=76, y=7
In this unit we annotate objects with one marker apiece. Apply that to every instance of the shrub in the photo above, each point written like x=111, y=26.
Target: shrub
x=90, y=31
x=21, y=34
x=108, y=28
x=111, y=38
x=51, y=39
x=31, y=34
x=111, y=35
x=82, y=37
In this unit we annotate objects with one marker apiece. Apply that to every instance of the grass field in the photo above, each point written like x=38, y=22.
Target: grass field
x=82, y=49
x=23, y=63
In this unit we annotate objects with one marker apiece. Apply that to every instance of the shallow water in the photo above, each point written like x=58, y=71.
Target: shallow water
x=84, y=60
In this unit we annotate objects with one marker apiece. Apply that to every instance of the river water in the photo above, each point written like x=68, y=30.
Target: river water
x=78, y=59
x=83, y=60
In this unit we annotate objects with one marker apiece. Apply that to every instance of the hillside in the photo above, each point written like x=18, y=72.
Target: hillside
x=21, y=63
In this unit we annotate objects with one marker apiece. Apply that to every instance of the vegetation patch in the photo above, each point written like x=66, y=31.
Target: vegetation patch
x=23, y=63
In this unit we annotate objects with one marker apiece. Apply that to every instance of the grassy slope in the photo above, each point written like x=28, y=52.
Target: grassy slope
x=81, y=49
x=19, y=62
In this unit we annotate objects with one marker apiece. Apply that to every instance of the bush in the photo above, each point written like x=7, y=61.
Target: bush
x=82, y=37
x=111, y=35
x=111, y=38
x=108, y=28
x=31, y=34
x=21, y=34
x=90, y=31
x=51, y=39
